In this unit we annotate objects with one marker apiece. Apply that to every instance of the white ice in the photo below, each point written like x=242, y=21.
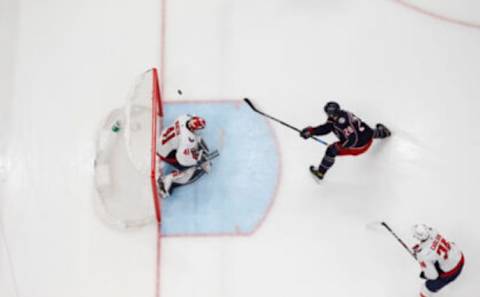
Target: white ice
x=65, y=64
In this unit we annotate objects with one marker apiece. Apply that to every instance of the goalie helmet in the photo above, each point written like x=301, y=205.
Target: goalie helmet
x=331, y=108
x=196, y=123
x=421, y=232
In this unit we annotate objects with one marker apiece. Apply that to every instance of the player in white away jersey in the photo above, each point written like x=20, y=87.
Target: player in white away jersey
x=441, y=261
x=181, y=146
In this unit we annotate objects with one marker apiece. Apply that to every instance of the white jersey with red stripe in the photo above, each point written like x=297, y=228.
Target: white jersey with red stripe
x=179, y=142
x=437, y=249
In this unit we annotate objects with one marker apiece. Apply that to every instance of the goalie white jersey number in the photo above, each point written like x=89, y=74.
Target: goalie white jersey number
x=177, y=144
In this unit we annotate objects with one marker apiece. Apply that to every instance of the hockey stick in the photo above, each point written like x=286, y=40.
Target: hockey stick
x=279, y=121
x=398, y=238
x=208, y=156
x=211, y=155
x=206, y=159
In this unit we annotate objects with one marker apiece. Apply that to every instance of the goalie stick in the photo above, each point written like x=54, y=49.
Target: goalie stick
x=387, y=227
x=211, y=155
x=208, y=157
x=279, y=121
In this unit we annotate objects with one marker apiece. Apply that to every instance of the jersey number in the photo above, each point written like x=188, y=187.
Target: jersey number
x=356, y=121
x=443, y=248
x=347, y=131
x=168, y=135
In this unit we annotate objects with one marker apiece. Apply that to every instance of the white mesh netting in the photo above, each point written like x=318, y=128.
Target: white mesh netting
x=125, y=163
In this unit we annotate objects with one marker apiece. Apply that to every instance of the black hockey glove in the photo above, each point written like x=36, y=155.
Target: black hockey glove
x=306, y=132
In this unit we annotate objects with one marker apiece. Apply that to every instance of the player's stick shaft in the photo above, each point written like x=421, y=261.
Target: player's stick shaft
x=279, y=121
x=399, y=239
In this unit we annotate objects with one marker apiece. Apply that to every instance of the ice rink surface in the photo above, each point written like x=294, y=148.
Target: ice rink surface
x=411, y=64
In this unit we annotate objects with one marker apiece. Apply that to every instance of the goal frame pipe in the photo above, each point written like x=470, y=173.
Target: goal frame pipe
x=157, y=112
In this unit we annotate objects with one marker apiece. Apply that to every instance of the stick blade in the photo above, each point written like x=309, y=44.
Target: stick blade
x=249, y=103
x=375, y=225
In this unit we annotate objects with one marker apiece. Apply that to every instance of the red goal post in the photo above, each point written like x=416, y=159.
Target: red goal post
x=157, y=123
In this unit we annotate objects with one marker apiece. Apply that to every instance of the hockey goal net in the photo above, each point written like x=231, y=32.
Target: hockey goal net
x=126, y=166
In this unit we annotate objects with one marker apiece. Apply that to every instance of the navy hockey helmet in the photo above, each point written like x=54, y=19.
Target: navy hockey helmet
x=331, y=108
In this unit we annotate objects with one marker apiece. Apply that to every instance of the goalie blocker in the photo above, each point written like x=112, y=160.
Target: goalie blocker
x=181, y=146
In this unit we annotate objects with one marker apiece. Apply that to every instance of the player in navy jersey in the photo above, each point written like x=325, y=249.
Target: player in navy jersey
x=355, y=137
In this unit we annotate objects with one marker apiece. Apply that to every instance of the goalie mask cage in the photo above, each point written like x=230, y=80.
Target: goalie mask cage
x=126, y=165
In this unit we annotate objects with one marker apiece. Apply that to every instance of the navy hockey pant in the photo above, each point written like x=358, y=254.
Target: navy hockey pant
x=444, y=279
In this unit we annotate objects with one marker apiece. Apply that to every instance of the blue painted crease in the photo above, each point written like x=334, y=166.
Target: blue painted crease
x=236, y=195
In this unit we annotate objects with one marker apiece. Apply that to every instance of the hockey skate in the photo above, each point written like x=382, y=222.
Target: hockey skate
x=382, y=131
x=317, y=175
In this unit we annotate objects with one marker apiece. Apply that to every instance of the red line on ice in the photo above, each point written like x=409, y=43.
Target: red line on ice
x=437, y=16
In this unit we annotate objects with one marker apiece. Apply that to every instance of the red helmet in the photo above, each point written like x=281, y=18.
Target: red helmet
x=196, y=123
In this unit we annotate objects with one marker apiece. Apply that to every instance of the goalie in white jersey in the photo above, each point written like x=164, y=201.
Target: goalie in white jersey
x=441, y=261
x=181, y=146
